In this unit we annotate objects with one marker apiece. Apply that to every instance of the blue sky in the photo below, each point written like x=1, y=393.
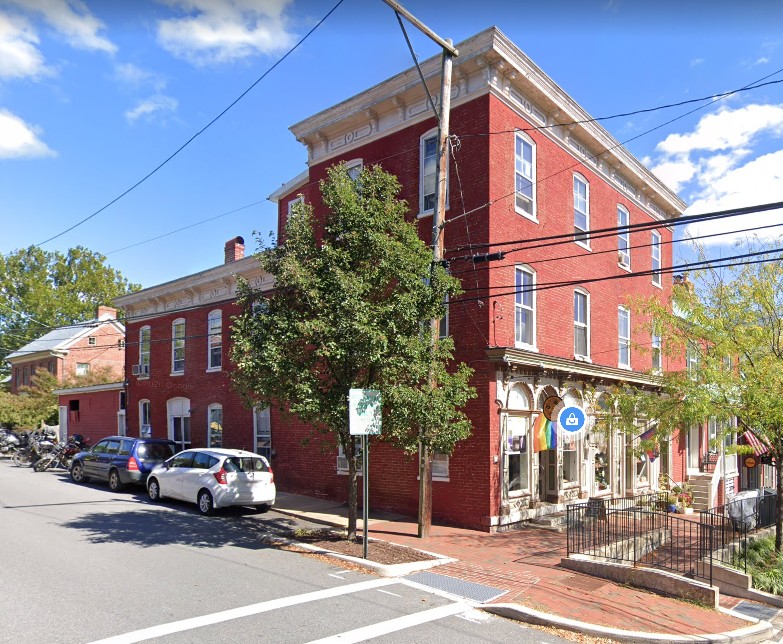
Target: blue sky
x=94, y=95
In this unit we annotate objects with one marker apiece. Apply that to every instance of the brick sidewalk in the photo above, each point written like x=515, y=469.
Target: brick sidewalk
x=525, y=564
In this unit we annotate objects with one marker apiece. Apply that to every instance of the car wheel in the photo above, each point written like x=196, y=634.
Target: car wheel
x=77, y=473
x=115, y=484
x=205, y=503
x=153, y=490
x=264, y=507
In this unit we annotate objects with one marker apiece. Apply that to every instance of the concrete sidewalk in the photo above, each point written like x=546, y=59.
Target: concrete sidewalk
x=525, y=566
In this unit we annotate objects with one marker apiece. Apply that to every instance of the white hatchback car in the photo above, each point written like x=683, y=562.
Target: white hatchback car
x=214, y=478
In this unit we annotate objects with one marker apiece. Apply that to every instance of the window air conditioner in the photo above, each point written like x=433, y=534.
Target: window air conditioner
x=135, y=369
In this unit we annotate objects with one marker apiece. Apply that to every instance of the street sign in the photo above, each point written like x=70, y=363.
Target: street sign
x=571, y=419
x=364, y=412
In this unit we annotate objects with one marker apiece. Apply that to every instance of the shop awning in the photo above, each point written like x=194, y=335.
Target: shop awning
x=758, y=446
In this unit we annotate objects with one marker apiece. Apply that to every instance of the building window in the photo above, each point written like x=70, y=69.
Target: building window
x=440, y=466
x=581, y=324
x=354, y=169
x=525, y=175
x=92, y=341
x=73, y=411
x=215, y=428
x=657, y=359
x=428, y=165
x=524, y=308
x=691, y=358
x=655, y=249
x=144, y=351
x=82, y=368
x=623, y=237
x=215, y=340
x=624, y=337
x=293, y=202
x=145, y=423
x=342, y=459
x=443, y=323
x=581, y=210
x=26, y=376
x=178, y=346
x=263, y=433
x=516, y=455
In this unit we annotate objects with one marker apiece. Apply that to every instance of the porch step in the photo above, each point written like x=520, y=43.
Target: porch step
x=556, y=521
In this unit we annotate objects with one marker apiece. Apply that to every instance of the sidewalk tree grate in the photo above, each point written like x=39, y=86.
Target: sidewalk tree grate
x=759, y=611
x=459, y=587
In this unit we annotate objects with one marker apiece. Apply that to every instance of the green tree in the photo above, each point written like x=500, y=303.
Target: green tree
x=41, y=290
x=351, y=307
x=34, y=404
x=729, y=324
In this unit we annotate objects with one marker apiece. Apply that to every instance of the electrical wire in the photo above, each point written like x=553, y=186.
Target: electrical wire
x=199, y=133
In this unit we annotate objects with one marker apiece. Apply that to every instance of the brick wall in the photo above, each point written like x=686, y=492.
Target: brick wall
x=96, y=416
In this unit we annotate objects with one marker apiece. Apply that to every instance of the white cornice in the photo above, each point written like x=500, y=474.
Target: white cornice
x=289, y=186
x=488, y=62
x=209, y=287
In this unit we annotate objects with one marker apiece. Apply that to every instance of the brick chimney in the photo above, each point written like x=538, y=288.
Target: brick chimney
x=235, y=249
x=106, y=313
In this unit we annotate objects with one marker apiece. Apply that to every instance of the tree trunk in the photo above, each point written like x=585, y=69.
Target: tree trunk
x=352, y=496
x=779, y=502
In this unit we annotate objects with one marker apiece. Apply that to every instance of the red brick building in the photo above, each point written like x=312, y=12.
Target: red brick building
x=73, y=350
x=527, y=165
x=93, y=411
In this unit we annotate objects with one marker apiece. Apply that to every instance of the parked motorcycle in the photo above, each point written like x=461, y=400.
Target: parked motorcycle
x=41, y=442
x=10, y=441
x=62, y=454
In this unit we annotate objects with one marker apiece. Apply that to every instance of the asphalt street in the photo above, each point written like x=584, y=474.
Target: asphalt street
x=79, y=563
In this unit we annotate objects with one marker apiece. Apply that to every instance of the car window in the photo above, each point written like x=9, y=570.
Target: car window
x=101, y=447
x=125, y=448
x=154, y=451
x=113, y=447
x=203, y=461
x=246, y=464
x=182, y=460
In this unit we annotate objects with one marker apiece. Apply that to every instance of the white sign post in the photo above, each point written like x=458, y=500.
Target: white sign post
x=364, y=419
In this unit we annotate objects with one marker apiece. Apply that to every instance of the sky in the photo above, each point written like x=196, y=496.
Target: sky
x=96, y=95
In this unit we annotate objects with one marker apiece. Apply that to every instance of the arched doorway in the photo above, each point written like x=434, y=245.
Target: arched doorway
x=178, y=412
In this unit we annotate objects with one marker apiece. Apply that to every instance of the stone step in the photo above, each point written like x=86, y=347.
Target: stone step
x=556, y=521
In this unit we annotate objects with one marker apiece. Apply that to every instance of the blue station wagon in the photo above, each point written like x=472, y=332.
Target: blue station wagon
x=120, y=460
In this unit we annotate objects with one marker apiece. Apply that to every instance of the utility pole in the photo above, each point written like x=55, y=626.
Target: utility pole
x=438, y=217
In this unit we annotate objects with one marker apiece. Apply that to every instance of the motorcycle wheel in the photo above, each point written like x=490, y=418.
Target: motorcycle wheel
x=67, y=462
x=22, y=460
x=42, y=465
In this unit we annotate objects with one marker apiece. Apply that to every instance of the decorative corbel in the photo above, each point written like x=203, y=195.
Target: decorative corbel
x=372, y=117
x=399, y=104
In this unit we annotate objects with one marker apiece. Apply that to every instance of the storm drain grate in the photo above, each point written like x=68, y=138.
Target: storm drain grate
x=767, y=613
x=582, y=583
x=461, y=588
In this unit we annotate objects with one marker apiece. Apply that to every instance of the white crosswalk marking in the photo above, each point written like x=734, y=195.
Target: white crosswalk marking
x=243, y=611
x=396, y=624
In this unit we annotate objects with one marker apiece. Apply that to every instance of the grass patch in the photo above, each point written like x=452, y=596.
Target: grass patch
x=764, y=565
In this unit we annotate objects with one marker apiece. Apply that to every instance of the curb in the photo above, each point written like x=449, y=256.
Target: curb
x=758, y=631
x=382, y=570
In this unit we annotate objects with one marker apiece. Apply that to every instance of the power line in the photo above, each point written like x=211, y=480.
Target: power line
x=197, y=134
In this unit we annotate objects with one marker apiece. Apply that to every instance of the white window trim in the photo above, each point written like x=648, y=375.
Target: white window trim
x=293, y=202
x=174, y=405
x=142, y=425
x=586, y=293
x=586, y=242
x=534, y=215
x=142, y=352
x=422, y=139
x=210, y=409
x=656, y=245
x=175, y=323
x=620, y=338
x=214, y=314
x=653, y=347
x=524, y=345
x=625, y=265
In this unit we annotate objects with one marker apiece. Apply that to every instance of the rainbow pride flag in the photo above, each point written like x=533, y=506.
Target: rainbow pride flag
x=544, y=434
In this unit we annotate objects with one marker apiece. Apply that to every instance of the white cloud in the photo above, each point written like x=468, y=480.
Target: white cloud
x=72, y=19
x=676, y=172
x=696, y=62
x=135, y=77
x=154, y=107
x=762, y=61
x=19, y=53
x=221, y=31
x=20, y=140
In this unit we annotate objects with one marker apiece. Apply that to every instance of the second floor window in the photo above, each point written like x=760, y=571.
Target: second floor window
x=144, y=346
x=215, y=340
x=178, y=346
x=623, y=237
x=655, y=250
x=525, y=175
x=581, y=321
x=624, y=337
x=524, y=308
x=82, y=368
x=657, y=360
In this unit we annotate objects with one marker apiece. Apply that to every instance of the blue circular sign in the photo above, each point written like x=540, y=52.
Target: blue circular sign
x=571, y=419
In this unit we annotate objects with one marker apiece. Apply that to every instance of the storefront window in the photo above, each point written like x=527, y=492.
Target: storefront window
x=516, y=454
